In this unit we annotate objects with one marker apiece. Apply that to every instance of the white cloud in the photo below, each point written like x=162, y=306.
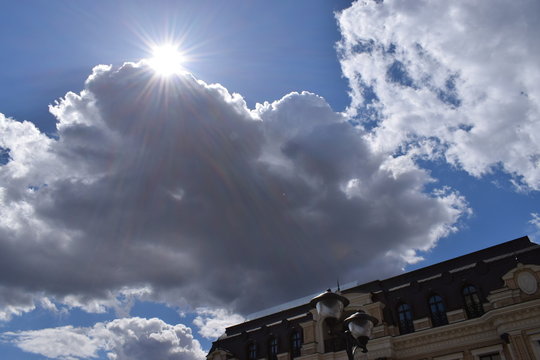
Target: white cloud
x=212, y=322
x=460, y=75
x=58, y=343
x=121, y=300
x=49, y=305
x=121, y=339
x=178, y=189
x=535, y=222
x=8, y=311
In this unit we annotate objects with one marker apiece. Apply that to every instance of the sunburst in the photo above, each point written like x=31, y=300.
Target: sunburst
x=167, y=60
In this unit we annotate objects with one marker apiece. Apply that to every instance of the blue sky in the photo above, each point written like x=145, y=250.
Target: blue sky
x=299, y=142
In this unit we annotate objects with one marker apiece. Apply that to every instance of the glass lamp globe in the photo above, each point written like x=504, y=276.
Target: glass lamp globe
x=329, y=304
x=360, y=328
x=360, y=324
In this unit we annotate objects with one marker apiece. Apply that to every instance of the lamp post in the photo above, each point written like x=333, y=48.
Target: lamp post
x=354, y=330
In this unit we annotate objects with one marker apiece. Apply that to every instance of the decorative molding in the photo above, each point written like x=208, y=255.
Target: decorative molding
x=514, y=253
x=400, y=286
x=456, y=316
x=359, y=299
x=468, y=333
x=220, y=354
x=520, y=267
x=436, y=276
x=283, y=356
x=421, y=324
x=527, y=282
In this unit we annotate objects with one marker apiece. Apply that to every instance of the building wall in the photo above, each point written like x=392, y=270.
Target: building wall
x=506, y=277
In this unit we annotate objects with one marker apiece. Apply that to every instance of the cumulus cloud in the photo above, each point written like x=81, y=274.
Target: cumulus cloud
x=535, y=222
x=121, y=339
x=212, y=322
x=175, y=187
x=453, y=80
x=14, y=302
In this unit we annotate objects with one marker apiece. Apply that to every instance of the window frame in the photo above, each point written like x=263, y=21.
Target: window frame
x=273, y=344
x=296, y=343
x=405, y=324
x=471, y=301
x=438, y=317
x=252, y=351
x=535, y=344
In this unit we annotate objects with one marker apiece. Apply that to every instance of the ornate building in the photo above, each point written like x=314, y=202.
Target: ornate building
x=483, y=306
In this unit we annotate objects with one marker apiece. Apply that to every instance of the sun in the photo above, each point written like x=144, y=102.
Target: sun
x=166, y=60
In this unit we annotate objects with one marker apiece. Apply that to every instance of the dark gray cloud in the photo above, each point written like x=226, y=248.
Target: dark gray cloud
x=174, y=186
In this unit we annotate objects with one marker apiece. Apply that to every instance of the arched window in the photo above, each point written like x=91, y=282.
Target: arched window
x=437, y=310
x=473, y=305
x=296, y=343
x=405, y=319
x=272, y=348
x=252, y=351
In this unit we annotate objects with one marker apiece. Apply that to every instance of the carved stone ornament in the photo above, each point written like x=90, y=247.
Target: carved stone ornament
x=527, y=282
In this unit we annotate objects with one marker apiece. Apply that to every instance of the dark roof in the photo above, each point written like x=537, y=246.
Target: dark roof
x=268, y=319
x=509, y=247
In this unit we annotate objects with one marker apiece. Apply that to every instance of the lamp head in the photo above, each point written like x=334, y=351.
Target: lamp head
x=329, y=304
x=360, y=324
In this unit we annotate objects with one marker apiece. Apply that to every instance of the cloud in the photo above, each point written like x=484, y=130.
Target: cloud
x=175, y=187
x=120, y=339
x=14, y=302
x=535, y=222
x=212, y=322
x=452, y=80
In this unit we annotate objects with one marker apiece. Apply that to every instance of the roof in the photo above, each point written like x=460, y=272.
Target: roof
x=509, y=248
x=301, y=306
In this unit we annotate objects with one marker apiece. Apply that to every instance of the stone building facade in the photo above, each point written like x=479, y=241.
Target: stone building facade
x=480, y=306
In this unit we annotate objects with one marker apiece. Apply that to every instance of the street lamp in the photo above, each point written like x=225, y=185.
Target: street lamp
x=355, y=330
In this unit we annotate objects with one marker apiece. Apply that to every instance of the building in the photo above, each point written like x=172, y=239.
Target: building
x=484, y=306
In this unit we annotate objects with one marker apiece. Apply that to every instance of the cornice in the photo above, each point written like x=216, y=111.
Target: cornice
x=464, y=333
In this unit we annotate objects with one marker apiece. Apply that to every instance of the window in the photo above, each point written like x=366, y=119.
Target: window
x=494, y=356
x=296, y=343
x=273, y=348
x=438, y=311
x=405, y=319
x=494, y=352
x=473, y=306
x=252, y=351
x=535, y=345
x=455, y=356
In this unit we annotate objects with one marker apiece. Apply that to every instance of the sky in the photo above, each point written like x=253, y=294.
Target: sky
x=294, y=144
